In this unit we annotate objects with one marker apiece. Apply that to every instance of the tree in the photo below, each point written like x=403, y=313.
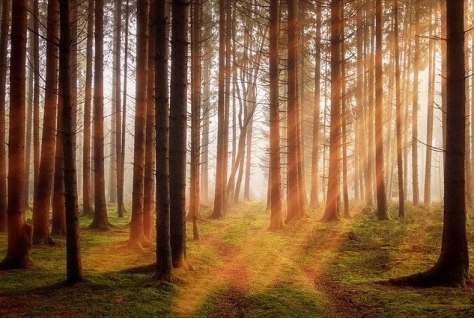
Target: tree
x=19, y=232
x=294, y=204
x=276, y=220
x=100, y=210
x=149, y=182
x=219, y=195
x=398, y=107
x=331, y=211
x=164, y=266
x=379, y=157
x=73, y=258
x=137, y=236
x=452, y=267
x=316, y=112
x=86, y=152
x=196, y=78
x=6, y=9
x=177, y=137
x=416, y=65
x=42, y=196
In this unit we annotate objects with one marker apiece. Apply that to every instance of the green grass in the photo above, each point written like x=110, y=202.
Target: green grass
x=239, y=269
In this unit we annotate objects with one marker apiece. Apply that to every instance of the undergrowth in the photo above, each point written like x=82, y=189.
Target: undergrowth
x=239, y=269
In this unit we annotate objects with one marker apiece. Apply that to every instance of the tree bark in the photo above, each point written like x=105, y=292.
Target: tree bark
x=164, y=266
x=6, y=12
x=195, y=115
x=42, y=197
x=382, y=213
x=86, y=153
x=398, y=107
x=331, y=211
x=137, y=235
x=276, y=219
x=101, y=220
x=178, y=118
x=452, y=267
x=19, y=232
x=149, y=182
x=219, y=207
x=73, y=258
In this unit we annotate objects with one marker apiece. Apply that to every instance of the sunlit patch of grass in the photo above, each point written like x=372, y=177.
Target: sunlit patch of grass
x=238, y=268
x=279, y=301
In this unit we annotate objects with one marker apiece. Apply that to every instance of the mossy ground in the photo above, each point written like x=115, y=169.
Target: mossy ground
x=239, y=269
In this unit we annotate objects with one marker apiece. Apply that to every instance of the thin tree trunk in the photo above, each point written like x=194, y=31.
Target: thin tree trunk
x=86, y=153
x=6, y=9
x=382, y=213
x=398, y=107
x=149, y=201
x=195, y=115
x=118, y=105
x=121, y=161
x=429, y=121
x=101, y=220
x=293, y=201
x=416, y=192
x=36, y=98
x=219, y=207
x=316, y=113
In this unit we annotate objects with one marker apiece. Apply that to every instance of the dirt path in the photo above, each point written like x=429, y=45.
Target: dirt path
x=257, y=261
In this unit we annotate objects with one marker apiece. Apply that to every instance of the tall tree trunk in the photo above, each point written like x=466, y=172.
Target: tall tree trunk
x=19, y=233
x=6, y=10
x=293, y=201
x=219, y=207
x=164, y=264
x=58, y=224
x=205, y=131
x=42, y=197
x=316, y=112
x=36, y=98
x=178, y=117
x=137, y=235
x=195, y=114
x=101, y=220
x=118, y=105
x=86, y=153
x=149, y=201
x=29, y=113
x=398, y=107
x=382, y=213
x=429, y=121
x=121, y=156
x=73, y=258
x=276, y=220
x=115, y=145
x=331, y=211
x=416, y=65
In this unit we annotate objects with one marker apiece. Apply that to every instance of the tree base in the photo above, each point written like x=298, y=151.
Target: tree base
x=10, y=263
x=100, y=225
x=438, y=276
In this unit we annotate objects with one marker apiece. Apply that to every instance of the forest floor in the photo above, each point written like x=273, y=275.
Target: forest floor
x=240, y=269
